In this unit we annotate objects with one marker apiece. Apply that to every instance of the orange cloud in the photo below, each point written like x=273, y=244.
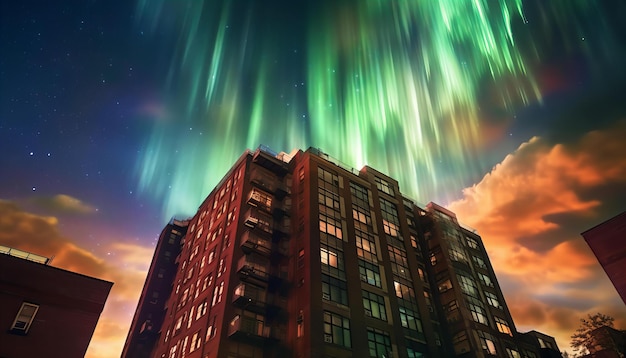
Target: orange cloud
x=530, y=210
x=126, y=269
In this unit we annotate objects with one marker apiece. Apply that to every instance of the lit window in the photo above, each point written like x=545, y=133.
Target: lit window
x=25, y=317
x=196, y=341
x=487, y=343
x=212, y=329
x=391, y=222
x=503, y=326
x=366, y=246
x=217, y=294
x=445, y=286
x=404, y=292
x=300, y=325
x=201, y=309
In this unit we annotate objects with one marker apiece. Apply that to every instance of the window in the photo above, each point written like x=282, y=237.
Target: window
x=473, y=243
x=221, y=268
x=208, y=281
x=183, y=299
x=366, y=246
x=487, y=343
x=468, y=285
x=179, y=323
x=479, y=262
x=374, y=305
x=391, y=223
x=300, y=325
x=379, y=343
x=411, y=353
x=512, y=353
x=492, y=299
x=212, y=329
x=383, y=186
x=457, y=253
x=451, y=310
x=478, y=312
x=404, y=292
x=217, y=294
x=422, y=274
x=337, y=329
x=212, y=255
x=503, y=326
x=399, y=262
x=331, y=226
x=410, y=320
x=25, y=317
x=196, y=341
x=201, y=309
x=334, y=290
x=486, y=280
x=444, y=286
x=370, y=273
x=332, y=261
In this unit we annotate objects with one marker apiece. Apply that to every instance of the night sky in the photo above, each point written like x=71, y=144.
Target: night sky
x=116, y=116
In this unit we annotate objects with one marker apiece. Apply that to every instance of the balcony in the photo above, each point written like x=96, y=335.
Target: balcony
x=248, y=329
x=250, y=298
x=269, y=161
x=253, y=269
x=258, y=222
x=252, y=243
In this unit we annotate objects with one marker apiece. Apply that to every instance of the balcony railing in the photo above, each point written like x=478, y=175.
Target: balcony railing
x=252, y=243
x=249, y=329
x=253, y=270
x=250, y=297
x=257, y=221
x=270, y=161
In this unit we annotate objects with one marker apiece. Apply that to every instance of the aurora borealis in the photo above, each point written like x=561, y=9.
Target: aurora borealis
x=117, y=115
x=395, y=85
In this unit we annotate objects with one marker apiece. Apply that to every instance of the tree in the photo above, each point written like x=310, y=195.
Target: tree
x=583, y=341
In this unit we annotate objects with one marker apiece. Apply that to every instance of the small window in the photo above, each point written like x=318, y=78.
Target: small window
x=24, y=318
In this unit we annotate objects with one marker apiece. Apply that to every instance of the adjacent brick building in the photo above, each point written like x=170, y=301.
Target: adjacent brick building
x=46, y=311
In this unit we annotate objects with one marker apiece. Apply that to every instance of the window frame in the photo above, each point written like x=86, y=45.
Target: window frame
x=28, y=321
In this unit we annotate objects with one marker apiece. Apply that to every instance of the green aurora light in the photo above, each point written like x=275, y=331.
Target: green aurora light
x=391, y=84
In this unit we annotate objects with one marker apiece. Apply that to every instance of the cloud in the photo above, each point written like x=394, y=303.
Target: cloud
x=530, y=210
x=126, y=269
x=65, y=204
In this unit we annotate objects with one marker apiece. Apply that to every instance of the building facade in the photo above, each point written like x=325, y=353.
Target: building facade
x=608, y=242
x=46, y=311
x=298, y=255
